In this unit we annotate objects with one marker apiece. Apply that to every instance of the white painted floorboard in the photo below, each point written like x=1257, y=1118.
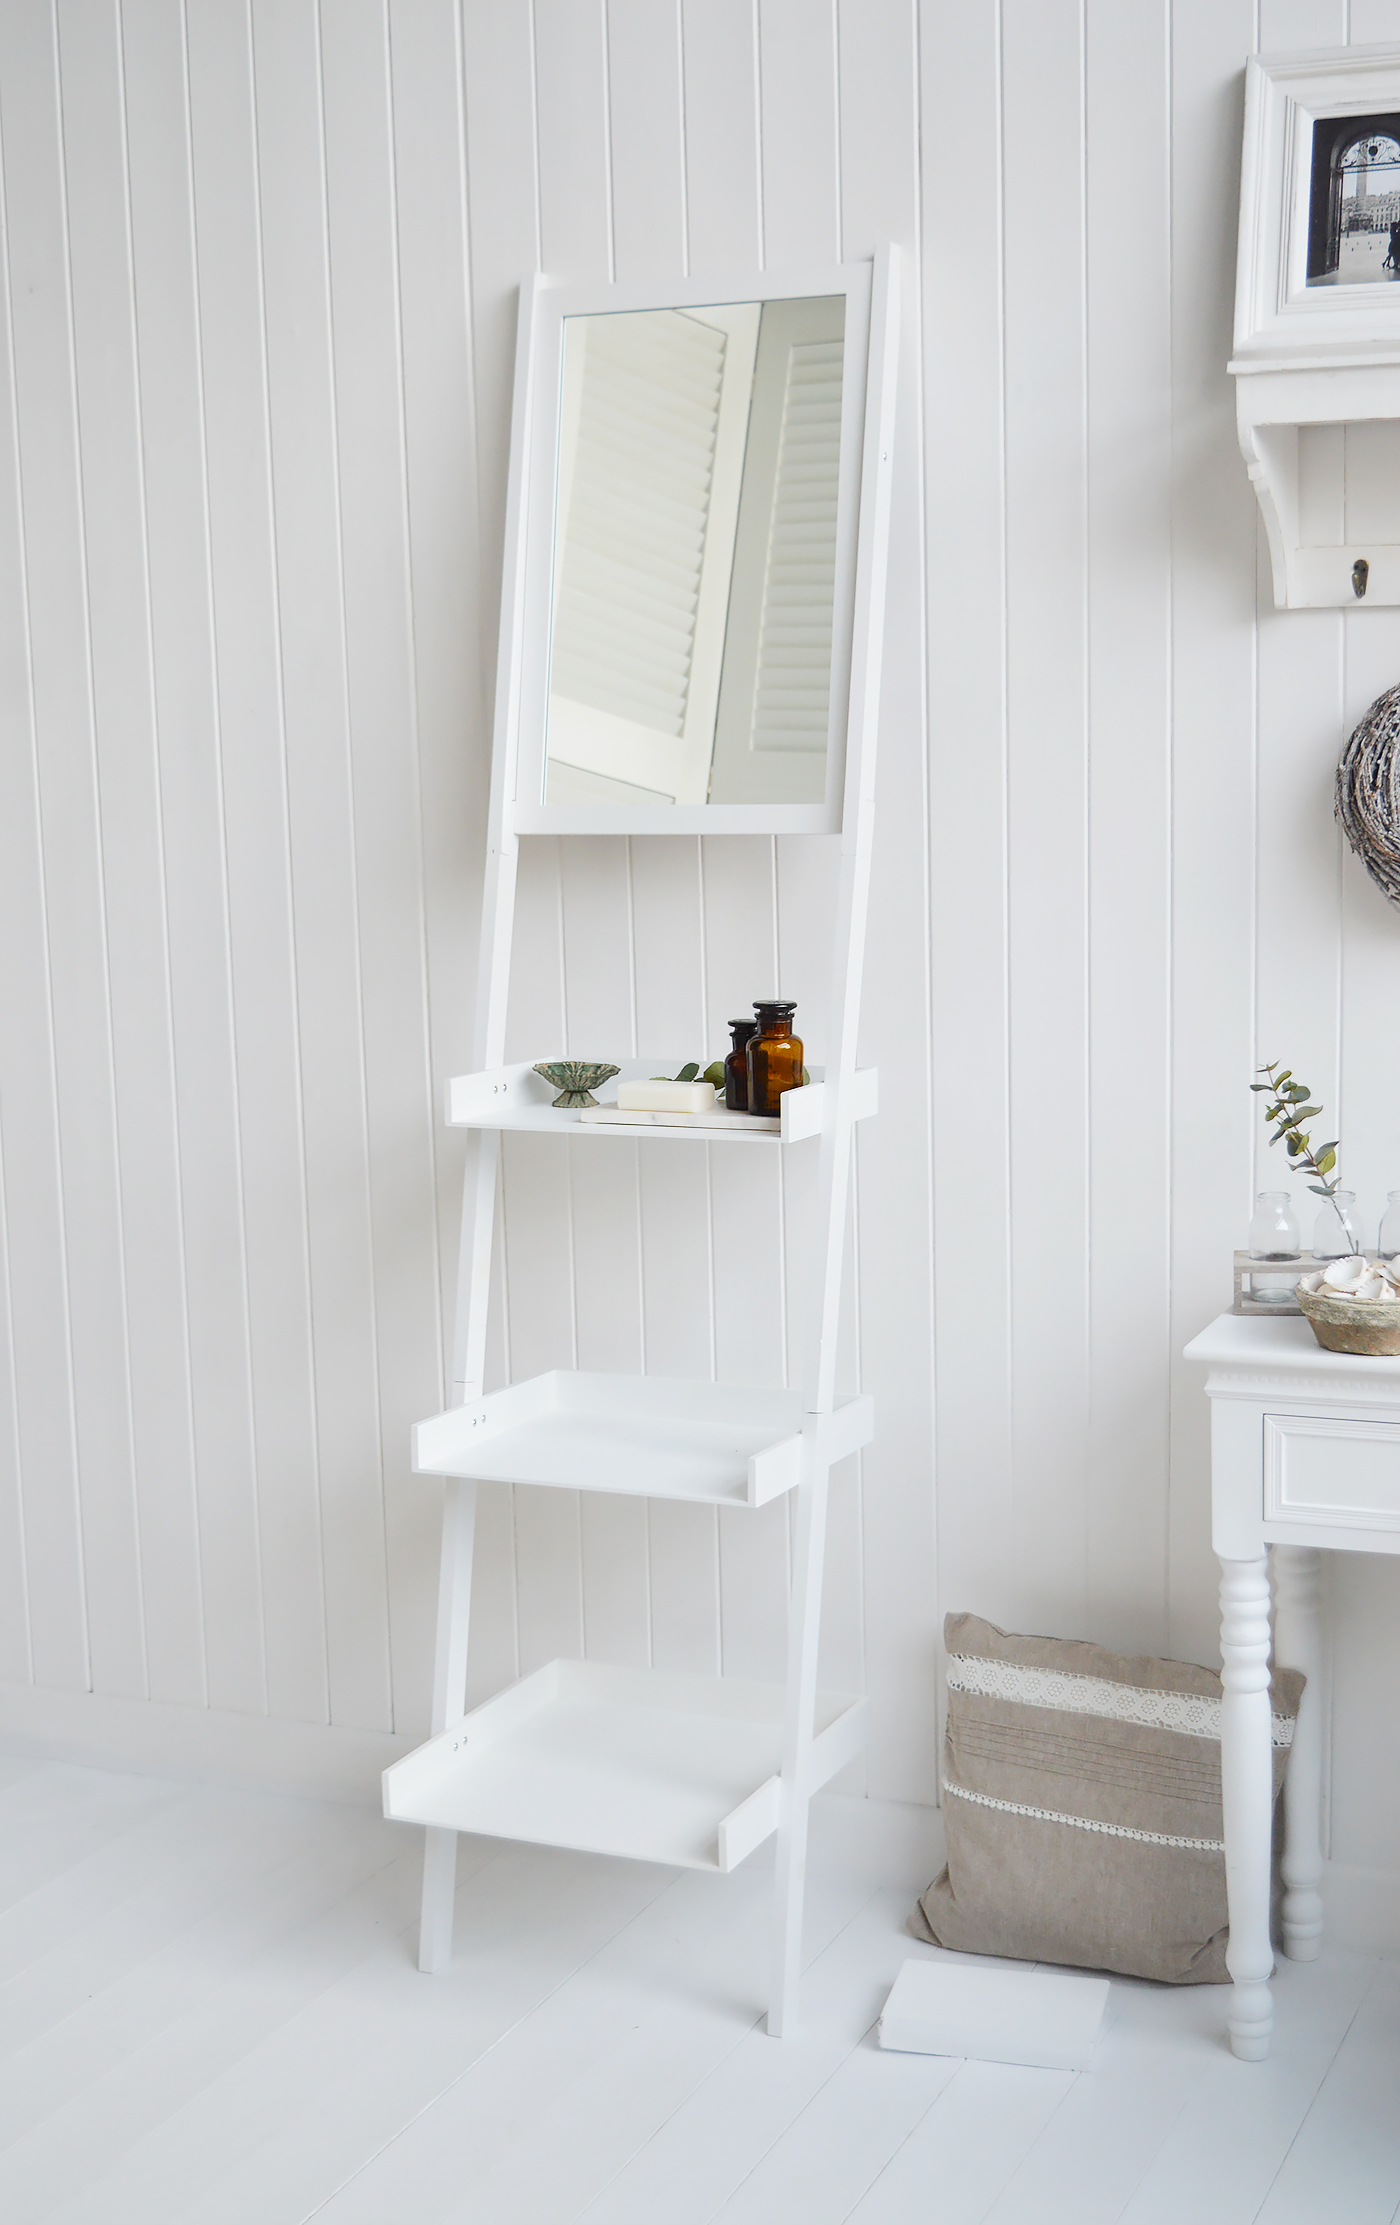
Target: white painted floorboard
x=210, y=2015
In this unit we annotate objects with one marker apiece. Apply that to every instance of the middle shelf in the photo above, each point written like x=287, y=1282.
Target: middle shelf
x=644, y=1436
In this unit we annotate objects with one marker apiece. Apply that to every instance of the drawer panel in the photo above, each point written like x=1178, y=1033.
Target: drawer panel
x=1335, y=1473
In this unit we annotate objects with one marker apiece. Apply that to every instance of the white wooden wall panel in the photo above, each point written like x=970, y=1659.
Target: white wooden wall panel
x=328, y=1068
x=1127, y=342
x=246, y=651
x=42, y=1519
x=169, y=370
x=449, y=684
x=1047, y=801
x=261, y=261
x=132, y=861
x=1214, y=601
x=70, y=840
x=719, y=91
x=966, y=637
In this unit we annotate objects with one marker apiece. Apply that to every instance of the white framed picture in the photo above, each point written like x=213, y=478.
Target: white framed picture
x=1319, y=258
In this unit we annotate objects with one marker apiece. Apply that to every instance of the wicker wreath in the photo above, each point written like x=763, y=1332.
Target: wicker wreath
x=1368, y=792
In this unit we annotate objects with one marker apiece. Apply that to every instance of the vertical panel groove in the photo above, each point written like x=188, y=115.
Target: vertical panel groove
x=31, y=709
x=344, y=647
x=414, y=755
x=167, y=982
x=217, y=739
x=124, y=1327
x=279, y=664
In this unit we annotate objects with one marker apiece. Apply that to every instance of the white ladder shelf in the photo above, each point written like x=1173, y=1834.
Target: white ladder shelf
x=695, y=1771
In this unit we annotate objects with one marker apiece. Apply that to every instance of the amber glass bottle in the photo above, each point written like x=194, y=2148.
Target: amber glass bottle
x=736, y=1066
x=774, y=1057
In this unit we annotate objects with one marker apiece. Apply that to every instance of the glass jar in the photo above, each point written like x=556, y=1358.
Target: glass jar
x=1274, y=1231
x=736, y=1066
x=1388, y=1242
x=1334, y=1237
x=774, y=1056
x=1273, y=1234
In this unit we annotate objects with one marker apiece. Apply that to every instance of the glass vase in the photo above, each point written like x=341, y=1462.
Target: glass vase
x=1334, y=1237
x=1274, y=1232
x=1388, y=1242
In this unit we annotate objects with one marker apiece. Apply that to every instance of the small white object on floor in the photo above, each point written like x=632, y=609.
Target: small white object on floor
x=683, y=1097
x=1036, y=2017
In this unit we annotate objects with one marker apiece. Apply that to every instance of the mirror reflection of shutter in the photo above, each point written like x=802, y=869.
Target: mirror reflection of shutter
x=775, y=702
x=792, y=696
x=651, y=458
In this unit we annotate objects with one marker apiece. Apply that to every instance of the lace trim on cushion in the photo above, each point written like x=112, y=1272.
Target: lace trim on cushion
x=1193, y=1712
x=1084, y=1823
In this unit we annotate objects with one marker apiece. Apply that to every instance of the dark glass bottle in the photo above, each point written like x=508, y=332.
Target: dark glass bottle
x=774, y=1056
x=736, y=1066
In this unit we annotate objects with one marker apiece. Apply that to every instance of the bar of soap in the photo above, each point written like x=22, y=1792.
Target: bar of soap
x=684, y=1097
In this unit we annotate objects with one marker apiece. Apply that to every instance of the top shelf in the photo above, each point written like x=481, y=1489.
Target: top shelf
x=519, y=1099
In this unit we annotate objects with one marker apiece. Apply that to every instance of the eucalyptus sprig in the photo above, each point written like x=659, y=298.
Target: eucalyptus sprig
x=1291, y=1107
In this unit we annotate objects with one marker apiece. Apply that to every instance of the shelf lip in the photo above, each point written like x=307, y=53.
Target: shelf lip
x=654, y=1765
x=639, y=1436
x=515, y=1099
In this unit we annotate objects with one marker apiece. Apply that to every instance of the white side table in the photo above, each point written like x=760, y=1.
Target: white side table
x=1305, y=1456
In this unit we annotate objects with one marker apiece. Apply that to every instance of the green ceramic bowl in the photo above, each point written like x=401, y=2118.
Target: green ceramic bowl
x=575, y=1080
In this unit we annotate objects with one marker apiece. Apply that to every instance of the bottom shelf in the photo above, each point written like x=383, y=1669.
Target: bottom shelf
x=641, y=1762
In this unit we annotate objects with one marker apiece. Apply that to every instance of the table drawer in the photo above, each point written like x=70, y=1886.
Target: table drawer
x=1332, y=1474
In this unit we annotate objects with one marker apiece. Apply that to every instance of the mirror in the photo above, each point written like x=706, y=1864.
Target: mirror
x=694, y=555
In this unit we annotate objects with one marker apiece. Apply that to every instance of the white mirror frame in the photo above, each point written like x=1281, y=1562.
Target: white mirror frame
x=527, y=600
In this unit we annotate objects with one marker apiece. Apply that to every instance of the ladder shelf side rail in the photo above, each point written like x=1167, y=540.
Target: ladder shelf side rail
x=837, y=1143
x=483, y=1156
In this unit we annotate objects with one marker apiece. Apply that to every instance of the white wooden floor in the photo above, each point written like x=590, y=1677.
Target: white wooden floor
x=209, y=2011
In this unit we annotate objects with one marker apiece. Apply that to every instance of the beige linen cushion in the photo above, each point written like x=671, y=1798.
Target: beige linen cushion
x=1081, y=1799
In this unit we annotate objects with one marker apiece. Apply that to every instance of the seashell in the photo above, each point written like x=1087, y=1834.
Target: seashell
x=1346, y=1273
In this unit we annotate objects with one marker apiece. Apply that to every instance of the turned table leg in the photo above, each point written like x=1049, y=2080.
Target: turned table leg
x=1246, y=1770
x=1298, y=1645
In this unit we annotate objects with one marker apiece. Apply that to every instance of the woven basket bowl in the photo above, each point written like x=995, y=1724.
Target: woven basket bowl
x=1361, y=1325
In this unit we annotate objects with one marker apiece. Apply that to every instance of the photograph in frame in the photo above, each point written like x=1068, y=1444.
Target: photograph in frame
x=1354, y=201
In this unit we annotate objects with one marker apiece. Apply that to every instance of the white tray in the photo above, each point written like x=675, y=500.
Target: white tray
x=641, y=1762
x=517, y=1099
x=644, y=1436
